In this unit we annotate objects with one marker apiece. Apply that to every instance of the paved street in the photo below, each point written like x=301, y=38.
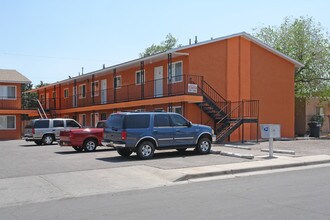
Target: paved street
x=36, y=177
x=300, y=194
x=20, y=158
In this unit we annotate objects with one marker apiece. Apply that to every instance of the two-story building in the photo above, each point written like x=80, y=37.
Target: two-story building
x=231, y=83
x=11, y=110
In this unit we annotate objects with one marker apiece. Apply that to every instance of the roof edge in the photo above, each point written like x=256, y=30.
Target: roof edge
x=174, y=50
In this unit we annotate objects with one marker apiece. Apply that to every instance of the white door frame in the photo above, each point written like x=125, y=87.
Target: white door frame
x=158, y=81
x=103, y=91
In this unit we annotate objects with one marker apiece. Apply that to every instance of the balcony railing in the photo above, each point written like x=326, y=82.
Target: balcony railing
x=164, y=87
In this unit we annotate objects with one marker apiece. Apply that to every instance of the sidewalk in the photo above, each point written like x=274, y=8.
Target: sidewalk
x=41, y=188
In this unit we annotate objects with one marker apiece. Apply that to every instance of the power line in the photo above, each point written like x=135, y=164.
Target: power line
x=51, y=57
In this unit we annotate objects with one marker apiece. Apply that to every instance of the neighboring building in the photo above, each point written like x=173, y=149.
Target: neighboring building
x=231, y=83
x=306, y=110
x=11, y=110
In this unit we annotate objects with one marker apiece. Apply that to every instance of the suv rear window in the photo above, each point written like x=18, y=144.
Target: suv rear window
x=115, y=121
x=137, y=121
x=41, y=124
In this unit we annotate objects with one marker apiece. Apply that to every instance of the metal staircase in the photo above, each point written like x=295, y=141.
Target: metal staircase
x=41, y=110
x=225, y=115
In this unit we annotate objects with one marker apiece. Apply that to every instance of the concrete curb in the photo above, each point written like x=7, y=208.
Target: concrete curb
x=237, y=146
x=231, y=154
x=280, y=151
x=271, y=164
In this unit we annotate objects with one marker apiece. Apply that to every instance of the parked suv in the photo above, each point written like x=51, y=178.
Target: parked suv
x=46, y=131
x=144, y=132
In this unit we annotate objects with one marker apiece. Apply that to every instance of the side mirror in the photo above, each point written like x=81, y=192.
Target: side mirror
x=189, y=124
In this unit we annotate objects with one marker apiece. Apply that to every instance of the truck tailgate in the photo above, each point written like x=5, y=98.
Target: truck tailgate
x=65, y=135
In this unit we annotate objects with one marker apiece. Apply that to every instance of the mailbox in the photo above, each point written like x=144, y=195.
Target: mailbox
x=270, y=130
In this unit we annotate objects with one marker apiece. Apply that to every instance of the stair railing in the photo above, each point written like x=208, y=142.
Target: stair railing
x=236, y=113
x=41, y=112
x=223, y=109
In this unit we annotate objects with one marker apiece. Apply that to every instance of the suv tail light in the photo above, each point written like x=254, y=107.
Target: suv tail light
x=33, y=131
x=123, y=135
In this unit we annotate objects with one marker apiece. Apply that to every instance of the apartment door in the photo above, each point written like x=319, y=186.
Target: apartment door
x=103, y=91
x=47, y=100
x=158, y=81
x=74, y=98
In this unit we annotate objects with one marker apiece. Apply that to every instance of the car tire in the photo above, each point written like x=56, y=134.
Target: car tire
x=48, y=139
x=145, y=150
x=124, y=152
x=78, y=149
x=38, y=142
x=90, y=145
x=203, y=146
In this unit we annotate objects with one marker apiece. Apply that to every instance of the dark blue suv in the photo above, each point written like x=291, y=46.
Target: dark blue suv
x=144, y=132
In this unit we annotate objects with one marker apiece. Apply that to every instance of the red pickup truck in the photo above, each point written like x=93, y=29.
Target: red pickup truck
x=83, y=139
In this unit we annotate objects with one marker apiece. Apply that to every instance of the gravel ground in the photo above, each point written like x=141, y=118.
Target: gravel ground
x=305, y=147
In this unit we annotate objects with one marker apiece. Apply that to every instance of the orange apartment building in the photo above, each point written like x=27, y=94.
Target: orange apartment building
x=231, y=83
x=10, y=104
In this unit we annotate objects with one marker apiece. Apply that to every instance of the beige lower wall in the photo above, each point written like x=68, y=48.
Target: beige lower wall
x=311, y=109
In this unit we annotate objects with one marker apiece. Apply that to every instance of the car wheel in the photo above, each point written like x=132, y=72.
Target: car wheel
x=38, y=142
x=79, y=149
x=181, y=150
x=145, y=150
x=203, y=146
x=48, y=139
x=124, y=152
x=90, y=145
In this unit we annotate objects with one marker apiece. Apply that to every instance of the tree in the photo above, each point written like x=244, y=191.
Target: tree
x=307, y=42
x=169, y=43
x=29, y=100
x=41, y=84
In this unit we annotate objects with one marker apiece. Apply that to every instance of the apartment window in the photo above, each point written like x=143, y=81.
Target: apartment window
x=7, y=122
x=139, y=77
x=82, y=119
x=54, y=94
x=95, y=88
x=117, y=82
x=103, y=116
x=82, y=91
x=140, y=110
x=176, y=109
x=66, y=93
x=320, y=111
x=176, y=75
x=7, y=92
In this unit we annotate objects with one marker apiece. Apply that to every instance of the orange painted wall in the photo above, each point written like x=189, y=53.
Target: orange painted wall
x=209, y=61
x=272, y=82
x=12, y=134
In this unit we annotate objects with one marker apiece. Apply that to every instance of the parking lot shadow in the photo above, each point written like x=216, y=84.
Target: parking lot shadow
x=35, y=145
x=82, y=152
x=159, y=155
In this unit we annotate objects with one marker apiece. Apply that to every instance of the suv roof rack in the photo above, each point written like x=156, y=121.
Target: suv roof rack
x=159, y=110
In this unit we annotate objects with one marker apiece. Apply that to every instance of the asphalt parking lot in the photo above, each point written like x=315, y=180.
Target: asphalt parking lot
x=20, y=158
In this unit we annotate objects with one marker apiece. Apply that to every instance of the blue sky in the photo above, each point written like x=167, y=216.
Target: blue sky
x=50, y=40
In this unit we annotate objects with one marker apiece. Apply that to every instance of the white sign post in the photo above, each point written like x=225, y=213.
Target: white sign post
x=270, y=131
